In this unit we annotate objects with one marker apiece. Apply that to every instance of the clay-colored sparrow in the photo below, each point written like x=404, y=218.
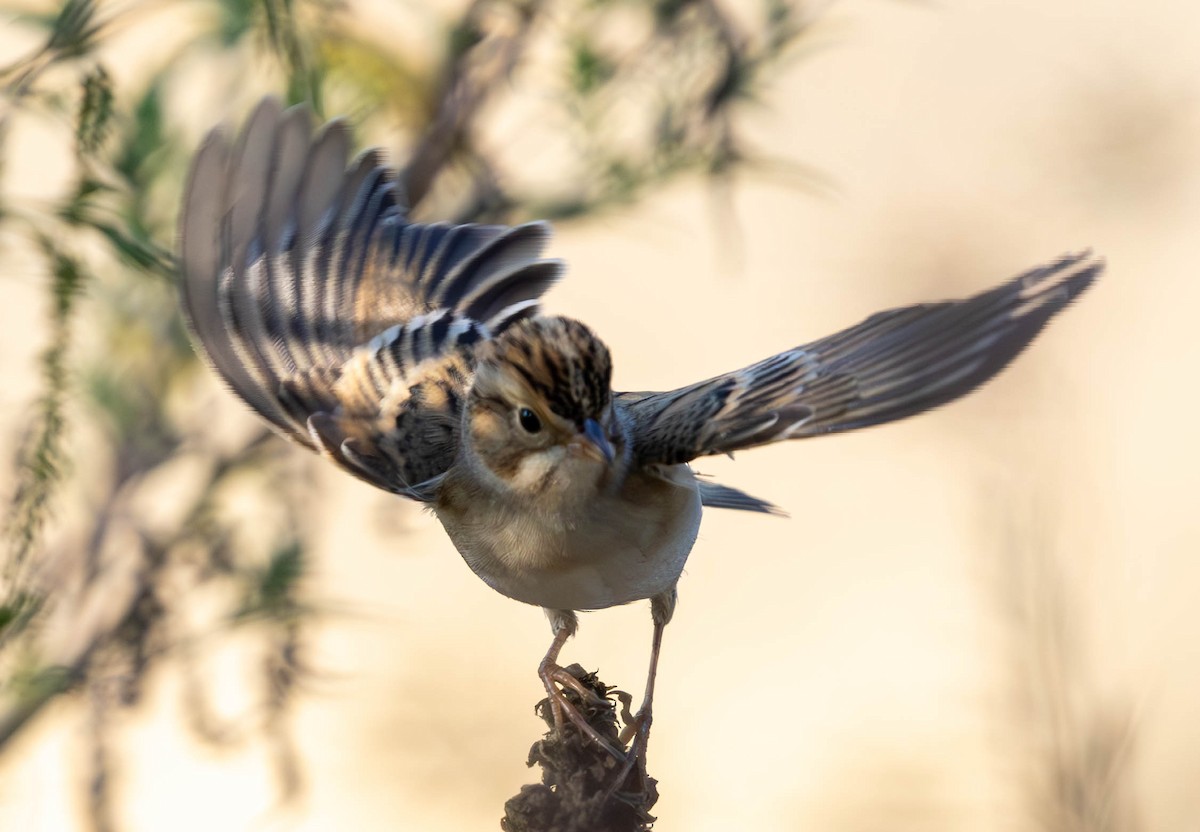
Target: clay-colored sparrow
x=416, y=357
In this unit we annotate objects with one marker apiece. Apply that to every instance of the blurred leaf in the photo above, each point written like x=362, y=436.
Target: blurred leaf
x=80, y=201
x=783, y=25
x=279, y=580
x=95, y=110
x=295, y=49
x=622, y=178
x=273, y=593
x=143, y=137
x=380, y=75
x=589, y=69
x=16, y=612
x=136, y=250
x=236, y=20
x=39, y=682
x=113, y=399
x=734, y=83
x=73, y=31
x=461, y=38
x=667, y=12
x=42, y=461
x=67, y=279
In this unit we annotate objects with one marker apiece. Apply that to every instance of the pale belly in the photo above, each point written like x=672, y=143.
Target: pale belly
x=619, y=548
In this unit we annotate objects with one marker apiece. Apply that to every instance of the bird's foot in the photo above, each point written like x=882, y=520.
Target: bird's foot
x=637, y=728
x=558, y=681
x=635, y=736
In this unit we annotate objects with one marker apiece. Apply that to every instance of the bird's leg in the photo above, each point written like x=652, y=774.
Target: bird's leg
x=637, y=731
x=553, y=675
x=640, y=724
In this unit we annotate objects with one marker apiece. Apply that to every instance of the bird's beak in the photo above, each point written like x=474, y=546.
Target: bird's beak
x=594, y=434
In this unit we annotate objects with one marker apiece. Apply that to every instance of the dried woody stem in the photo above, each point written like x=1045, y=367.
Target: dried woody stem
x=583, y=788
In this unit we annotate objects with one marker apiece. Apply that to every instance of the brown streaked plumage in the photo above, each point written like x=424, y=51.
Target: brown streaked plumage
x=415, y=356
x=561, y=361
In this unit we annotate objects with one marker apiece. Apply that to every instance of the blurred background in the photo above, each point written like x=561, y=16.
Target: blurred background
x=984, y=618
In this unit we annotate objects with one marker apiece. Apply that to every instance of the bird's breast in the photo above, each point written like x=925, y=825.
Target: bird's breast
x=619, y=547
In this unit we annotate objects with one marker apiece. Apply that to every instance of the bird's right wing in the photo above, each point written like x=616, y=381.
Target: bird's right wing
x=892, y=365
x=343, y=324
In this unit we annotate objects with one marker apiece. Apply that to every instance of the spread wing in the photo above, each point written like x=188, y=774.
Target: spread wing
x=892, y=365
x=347, y=327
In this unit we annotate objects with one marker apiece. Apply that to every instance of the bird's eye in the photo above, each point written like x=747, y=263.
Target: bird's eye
x=529, y=420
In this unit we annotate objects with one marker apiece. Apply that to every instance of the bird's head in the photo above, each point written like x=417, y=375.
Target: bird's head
x=540, y=416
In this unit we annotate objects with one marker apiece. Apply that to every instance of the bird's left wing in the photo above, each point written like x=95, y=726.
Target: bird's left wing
x=892, y=365
x=346, y=326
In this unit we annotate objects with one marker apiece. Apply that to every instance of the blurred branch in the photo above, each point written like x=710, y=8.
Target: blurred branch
x=100, y=808
x=42, y=462
x=35, y=693
x=477, y=65
x=71, y=33
x=130, y=624
x=1076, y=747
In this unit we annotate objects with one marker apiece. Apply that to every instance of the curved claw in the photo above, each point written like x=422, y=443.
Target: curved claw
x=552, y=676
x=636, y=735
x=637, y=727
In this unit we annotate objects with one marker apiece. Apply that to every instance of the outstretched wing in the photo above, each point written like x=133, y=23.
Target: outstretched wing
x=346, y=326
x=892, y=365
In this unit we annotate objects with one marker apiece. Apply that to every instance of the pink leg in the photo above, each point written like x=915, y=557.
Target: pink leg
x=637, y=732
x=556, y=679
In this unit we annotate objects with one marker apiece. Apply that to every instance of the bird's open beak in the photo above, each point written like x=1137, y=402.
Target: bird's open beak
x=594, y=434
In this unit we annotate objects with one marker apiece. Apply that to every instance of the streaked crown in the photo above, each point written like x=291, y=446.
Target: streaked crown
x=561, y=361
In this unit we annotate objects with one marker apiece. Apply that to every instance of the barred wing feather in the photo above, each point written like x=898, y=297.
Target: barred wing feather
x=892, y=365
x=327, y=311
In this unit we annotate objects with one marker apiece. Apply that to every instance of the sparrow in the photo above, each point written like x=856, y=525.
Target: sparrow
x=417, y=357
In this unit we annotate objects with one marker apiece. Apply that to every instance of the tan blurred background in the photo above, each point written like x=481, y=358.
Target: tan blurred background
x=960, y=608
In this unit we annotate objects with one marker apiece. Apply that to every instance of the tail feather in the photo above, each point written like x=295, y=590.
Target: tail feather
x=715, y=495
